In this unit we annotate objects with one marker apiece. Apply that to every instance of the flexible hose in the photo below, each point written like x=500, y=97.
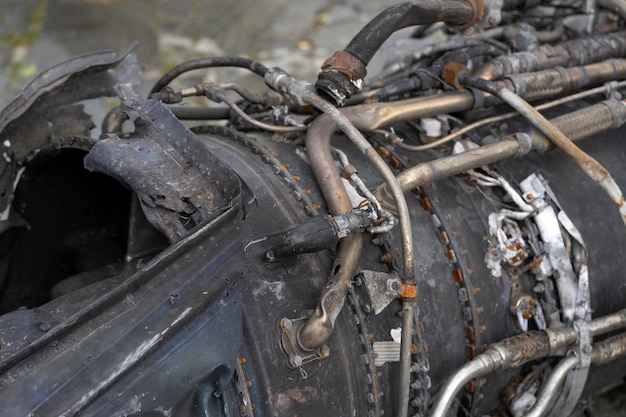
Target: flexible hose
x=343, y=73
x=365, y=43
x=221, y=61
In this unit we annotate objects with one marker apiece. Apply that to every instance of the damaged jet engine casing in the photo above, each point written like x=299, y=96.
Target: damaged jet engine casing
x=214, y=243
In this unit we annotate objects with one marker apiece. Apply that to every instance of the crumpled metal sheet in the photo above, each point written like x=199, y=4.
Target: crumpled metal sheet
x=46, y=110
x=179, y=182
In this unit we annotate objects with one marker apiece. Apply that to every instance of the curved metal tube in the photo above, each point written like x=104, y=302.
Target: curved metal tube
x=546, y=395
x=373, y=116
x=588, y=164
x=517, y=350
x=312, y=327
x=383, y=169
x=602, y=353
x=319, y=327
x=479, y=366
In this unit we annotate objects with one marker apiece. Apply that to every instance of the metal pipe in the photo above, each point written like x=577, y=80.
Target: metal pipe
x=310, y=329
x=588, y=164
x=548, y=391
x=373, y=116
x=575, y=52
x=502, y=117
x=319, y=327
x=448, y=166
x=518, y=350
x=383, y=169
x=254, y=122
x=609, y=349
x=603, y=352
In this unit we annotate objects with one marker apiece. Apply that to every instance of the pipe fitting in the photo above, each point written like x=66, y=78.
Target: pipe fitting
x=341, y=76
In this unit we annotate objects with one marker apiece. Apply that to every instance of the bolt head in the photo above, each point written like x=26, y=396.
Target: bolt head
x=324, y=351
x=286, y=324
x=297, y=360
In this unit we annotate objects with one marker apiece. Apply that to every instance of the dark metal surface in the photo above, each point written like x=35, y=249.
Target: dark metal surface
x=205, y=271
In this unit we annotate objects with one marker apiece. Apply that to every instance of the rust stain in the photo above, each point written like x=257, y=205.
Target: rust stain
x=409, y=291
x=471, y=352
x=286, y=400
x=471, y=386
x=457, y=274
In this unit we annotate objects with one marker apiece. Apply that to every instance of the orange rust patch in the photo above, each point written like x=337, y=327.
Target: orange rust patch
x=457, y=274
x=409, y=291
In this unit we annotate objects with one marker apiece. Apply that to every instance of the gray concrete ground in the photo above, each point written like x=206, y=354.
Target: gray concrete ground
x=297, y=35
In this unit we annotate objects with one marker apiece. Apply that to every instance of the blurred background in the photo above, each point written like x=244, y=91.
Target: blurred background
x=297, y=35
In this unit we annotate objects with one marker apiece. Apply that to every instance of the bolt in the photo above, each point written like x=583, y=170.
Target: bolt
x=324, y=351
x=367, y=309
x=416, y=385
x=386, y=258
x=43, y=326
x=286, y=324
x=493, y=21
x=358, y=281
x=416, y=402
x=297, y=360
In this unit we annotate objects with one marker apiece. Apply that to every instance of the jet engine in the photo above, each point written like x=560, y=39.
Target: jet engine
x=443, y=238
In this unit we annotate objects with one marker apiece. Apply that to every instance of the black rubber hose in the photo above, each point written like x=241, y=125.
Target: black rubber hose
x=343, y=73
x=365, y=44
x=219, y=61
x=201, y=113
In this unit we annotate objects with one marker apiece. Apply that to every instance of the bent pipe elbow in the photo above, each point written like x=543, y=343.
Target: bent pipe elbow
x=319, y=327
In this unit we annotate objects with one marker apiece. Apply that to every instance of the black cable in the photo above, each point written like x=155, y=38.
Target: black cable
x=210, y=62
x=200, y=113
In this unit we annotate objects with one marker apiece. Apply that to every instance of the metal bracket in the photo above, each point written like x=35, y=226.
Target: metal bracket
x=383, y=288
x=297, y=356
